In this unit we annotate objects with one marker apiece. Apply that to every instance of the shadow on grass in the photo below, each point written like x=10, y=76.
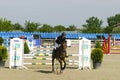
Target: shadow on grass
x=71, y=67
x=45, y=71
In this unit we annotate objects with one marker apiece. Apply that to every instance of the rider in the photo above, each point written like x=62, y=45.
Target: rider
x=60, y=39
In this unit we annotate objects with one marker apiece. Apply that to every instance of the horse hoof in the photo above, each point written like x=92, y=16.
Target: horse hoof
x=53, y=71
x=61, y=72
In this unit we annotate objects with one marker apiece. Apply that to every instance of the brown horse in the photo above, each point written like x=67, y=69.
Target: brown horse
x=59, y=54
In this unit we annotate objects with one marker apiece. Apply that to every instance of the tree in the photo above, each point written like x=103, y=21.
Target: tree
x=71, y=28
x=59, y=28
x=116, y=30
x=5, y=25
x=113, y=24
x=31, y=26
x=18, y=26
x=93, y=25
x=113, y=20
x=46, y=28
x=108, y=29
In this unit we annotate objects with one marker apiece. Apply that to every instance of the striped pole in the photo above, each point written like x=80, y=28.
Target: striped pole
x=48, y=63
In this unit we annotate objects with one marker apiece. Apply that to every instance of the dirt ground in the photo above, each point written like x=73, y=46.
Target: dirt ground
x=109, y=70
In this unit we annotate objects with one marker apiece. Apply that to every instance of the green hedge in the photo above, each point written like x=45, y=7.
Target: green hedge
x=3, y=53
x=98, y=45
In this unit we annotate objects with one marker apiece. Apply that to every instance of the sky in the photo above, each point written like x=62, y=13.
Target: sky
x=58, y=12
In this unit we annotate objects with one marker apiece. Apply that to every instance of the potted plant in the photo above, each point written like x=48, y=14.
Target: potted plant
x=97, y=57
x=3, y=55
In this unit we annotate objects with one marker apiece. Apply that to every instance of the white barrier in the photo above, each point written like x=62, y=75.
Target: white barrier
x=84, y=53
x=16, y=53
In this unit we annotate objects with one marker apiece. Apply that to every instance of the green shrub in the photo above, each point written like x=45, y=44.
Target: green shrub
x=97, y=44
x=26, y=48
x=97, y=55
x=1, y=40
x=3, y=53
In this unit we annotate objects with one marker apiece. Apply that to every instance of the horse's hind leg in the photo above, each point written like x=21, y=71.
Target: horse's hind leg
x=52, y=64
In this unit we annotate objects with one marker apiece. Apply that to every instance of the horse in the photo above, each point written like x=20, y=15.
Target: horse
x=60, y=55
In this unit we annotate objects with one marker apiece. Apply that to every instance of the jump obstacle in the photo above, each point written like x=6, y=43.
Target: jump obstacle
x=42, y=57
x=111, y=46
x=81, y=59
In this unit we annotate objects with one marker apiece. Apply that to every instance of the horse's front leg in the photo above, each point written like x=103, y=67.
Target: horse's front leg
x=64, y=64
x=61, y=69
x=52, y=64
